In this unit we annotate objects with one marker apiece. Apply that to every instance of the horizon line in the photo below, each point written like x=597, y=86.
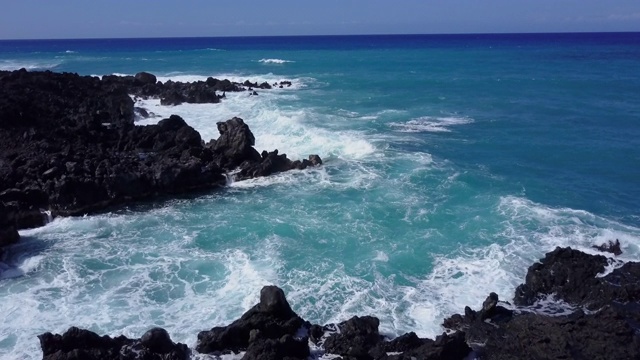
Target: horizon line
x=325, y=35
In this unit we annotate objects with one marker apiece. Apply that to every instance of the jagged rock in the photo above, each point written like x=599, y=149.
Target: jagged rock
x=611, y=332
x=445, y=347
x=272, y=317
x=172, y=97
x=571, y=276
x=286, y=347
x=79, y=344
x=69, y=145
x=607, y=334
x=611, y=247
x=315, y=160
x=53, y=101
x=235, y=144
x=356, y=337
x=157, y=340
x=359, y=339
x=489, y=306
x=248, y=83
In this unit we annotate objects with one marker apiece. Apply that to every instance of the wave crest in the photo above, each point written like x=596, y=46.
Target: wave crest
x=430, y=124
x=275, y=61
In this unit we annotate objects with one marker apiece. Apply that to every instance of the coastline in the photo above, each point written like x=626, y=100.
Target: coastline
x=71, y=155
x=235, y=158
x=603, y=325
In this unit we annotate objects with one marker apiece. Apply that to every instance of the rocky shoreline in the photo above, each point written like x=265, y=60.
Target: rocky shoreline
x=604, y=324
x=69, y=145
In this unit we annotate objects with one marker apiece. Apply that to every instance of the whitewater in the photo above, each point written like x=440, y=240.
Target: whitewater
x=451, y=164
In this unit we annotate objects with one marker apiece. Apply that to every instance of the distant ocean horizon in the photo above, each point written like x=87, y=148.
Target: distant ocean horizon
x=451, y=163
x=326, y=35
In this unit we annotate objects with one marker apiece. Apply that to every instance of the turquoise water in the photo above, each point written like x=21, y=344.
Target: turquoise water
x=451, y=164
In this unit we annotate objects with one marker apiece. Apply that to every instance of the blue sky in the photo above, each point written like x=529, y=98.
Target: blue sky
x=38, y=19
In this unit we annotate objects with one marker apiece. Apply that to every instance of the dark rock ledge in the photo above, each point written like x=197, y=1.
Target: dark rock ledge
x=68, y=145
x=271, y=330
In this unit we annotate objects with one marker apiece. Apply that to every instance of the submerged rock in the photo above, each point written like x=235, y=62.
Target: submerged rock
x=611, y=247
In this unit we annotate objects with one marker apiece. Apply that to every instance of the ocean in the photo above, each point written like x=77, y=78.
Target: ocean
x=451, y=164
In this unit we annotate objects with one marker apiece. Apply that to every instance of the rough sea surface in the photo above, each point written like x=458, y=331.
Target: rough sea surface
x=452, y=163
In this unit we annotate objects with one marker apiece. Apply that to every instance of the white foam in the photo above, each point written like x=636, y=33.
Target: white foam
x=430, y=124
x=530, y=230
x=274, y=127
x=93, y=278
x=275, y=61
x=381, y=256
x=32, y=65
x=549, y=305
x=290, y=178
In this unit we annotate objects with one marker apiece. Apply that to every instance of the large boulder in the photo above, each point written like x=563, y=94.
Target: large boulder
x=272, y=318
x=356, y=337
x=234, y=145
x=144, y=78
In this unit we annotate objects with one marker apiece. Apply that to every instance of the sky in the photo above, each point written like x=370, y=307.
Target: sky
x=48, y=19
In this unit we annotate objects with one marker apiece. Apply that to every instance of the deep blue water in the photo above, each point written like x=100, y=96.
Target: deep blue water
x=451, y=163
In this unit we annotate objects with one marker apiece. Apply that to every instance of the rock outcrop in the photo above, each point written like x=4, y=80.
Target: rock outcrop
x=68, y=145
x=145, y=85
x=270, y=323
x=604, y=324
x=78, y=344
x=573, y=276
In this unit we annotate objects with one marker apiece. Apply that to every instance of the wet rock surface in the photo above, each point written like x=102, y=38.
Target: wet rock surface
x=610, y=247
x=68, y=145
x=574, y=277
x=270, y=319
x=605, y=323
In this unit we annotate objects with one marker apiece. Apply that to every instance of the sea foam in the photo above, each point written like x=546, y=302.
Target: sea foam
x=430, y=124
x=31, y=65
x=275, y=61
x=274, y=127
